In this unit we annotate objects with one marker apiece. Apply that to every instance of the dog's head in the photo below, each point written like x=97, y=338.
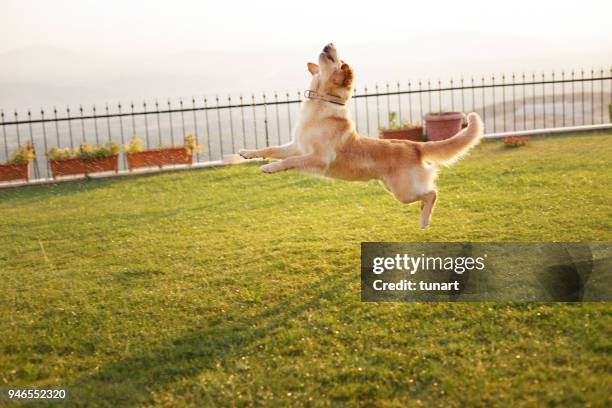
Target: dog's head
x=332, y=76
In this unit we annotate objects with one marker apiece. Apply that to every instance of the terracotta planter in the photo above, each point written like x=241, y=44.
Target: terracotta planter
x=79, y=166
x=159, y=157
x=67, y=167
x=515, y=141
x=9, y=172
x=110, y=163
x=414, y=134
x=443, y=125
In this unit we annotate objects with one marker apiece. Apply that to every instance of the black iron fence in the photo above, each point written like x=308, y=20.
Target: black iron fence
x=507, y=103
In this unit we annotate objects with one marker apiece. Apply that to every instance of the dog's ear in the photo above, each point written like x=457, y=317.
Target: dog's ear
x=344, y=77
x=313, y=68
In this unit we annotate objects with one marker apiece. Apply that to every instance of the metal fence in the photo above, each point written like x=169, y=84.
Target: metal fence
x=224, y=125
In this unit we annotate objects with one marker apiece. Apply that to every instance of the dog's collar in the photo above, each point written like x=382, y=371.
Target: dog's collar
x=327, y=98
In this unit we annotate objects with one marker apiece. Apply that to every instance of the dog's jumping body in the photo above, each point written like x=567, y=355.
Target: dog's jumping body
x=325, y=142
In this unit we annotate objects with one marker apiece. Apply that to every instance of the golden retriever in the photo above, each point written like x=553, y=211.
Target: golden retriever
x=325, y=142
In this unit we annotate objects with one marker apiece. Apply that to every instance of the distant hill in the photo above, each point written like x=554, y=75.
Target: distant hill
x=44, y=76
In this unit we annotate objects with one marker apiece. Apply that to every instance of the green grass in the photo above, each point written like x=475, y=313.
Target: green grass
x=228, y=287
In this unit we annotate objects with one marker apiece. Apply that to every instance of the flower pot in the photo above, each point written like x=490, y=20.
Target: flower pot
x=67, y=167
x=515, y=141
x=440, y=126
x=77, y=165
x=414, y=134
x=159, y=157
x=110, y=163
x=9, y=172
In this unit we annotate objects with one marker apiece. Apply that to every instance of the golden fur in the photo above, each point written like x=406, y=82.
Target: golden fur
x=325, y=142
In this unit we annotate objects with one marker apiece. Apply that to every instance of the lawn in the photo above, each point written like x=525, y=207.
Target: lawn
x=229, y=287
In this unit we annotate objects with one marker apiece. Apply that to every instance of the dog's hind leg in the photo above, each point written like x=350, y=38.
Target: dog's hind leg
x=412, y=186
x=274, y=152
x=401, y=189
x=428, y=201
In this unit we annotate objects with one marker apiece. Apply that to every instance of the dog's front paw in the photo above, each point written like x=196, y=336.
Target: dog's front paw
x=247, y=154
x=270, y=168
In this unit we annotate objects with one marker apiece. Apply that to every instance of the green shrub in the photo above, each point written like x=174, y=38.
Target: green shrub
x=84, y=152
x=395, y=125
x=24, y=154
x=57, y=153
x=136, y=145
x=191, y=144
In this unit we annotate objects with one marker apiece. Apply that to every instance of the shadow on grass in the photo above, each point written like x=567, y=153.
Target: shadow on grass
x=26, y=194
x=131, y=381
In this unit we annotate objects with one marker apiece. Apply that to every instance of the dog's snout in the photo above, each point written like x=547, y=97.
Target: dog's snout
x=330, y=52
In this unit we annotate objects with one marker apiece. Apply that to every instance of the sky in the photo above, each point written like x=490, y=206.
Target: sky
x=86, y=51
x=132, y=27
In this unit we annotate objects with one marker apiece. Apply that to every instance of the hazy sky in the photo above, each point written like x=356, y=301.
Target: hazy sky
x=168, y=26
x=85, y=51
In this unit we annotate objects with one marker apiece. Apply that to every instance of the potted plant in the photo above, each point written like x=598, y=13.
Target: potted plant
x=403, y=131
x=161, y=156
x=515, y=141
x=18, y=167
x=84, y=160
x=442, y=125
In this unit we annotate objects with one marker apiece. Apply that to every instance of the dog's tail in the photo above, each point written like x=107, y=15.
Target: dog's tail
x=450, y=150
